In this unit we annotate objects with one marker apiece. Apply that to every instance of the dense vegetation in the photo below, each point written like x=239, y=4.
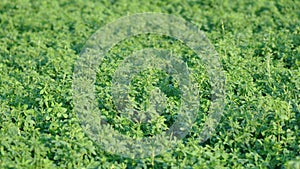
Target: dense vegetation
x=259, y=48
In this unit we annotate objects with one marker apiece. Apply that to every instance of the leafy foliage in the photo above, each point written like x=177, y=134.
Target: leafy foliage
x=259, y=46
